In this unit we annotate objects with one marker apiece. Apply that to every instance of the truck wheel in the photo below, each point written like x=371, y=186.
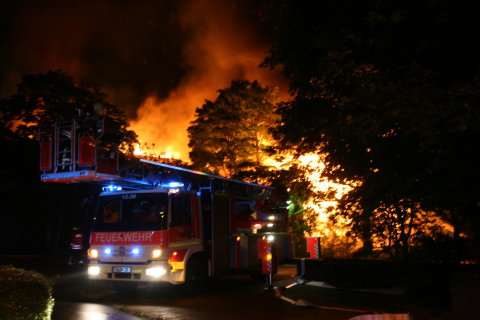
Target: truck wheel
x=124, y=287
x=195, y=278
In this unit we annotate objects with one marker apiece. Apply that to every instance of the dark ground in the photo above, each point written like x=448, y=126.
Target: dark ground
x=236, y=297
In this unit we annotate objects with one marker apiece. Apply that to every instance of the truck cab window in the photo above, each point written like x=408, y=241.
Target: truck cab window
x=111, y=211
x=132, y=212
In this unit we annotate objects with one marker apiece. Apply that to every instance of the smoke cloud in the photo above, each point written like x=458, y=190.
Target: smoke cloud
x=157, y=60
x=221, y=48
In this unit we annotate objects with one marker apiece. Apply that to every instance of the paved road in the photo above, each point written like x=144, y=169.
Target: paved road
x=230, y=297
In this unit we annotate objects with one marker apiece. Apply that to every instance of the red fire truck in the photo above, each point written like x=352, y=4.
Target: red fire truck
x=157, y=222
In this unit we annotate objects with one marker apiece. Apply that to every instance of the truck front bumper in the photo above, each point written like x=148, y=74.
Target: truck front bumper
x=154, y=271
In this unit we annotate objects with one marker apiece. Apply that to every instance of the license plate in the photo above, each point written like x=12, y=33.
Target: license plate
x=121, y=269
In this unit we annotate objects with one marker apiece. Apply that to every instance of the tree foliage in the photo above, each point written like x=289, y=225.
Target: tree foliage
x=231, y=134
x=388, y=90
x=48, y=212
x=44, y=98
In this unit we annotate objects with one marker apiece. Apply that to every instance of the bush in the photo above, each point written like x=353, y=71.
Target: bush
x=24, y=295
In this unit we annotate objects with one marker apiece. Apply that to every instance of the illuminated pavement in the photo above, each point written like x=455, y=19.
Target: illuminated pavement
x=88, y=311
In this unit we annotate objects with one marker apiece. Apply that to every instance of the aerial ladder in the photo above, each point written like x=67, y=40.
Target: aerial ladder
x=165, y=223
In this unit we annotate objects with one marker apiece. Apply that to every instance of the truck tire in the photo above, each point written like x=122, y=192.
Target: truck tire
x=124, y=287
x=195, y=277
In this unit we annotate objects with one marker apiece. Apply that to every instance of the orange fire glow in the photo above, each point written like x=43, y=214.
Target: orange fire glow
x=325, y=205
x=327, y=193
x=219, y=52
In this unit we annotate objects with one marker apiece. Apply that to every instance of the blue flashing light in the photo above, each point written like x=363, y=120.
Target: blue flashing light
x=108, y=251
x=111, y=188
x=173, y=185
x=135, y=251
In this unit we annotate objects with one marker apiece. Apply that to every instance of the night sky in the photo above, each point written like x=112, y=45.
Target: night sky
x=157, y=60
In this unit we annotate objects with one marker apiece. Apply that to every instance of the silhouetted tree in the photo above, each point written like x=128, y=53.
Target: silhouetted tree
x=388, y=90
x=37, y=216
x=44, y=98
x=231, y=134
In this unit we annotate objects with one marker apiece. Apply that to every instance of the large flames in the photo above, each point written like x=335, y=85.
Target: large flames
x=219, y=45
x=314, y=165
x=319, y=210
x=222, y=48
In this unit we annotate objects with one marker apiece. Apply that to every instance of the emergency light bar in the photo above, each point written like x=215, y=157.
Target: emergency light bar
x=111, y=188
x=173, y=185
x=169, y=185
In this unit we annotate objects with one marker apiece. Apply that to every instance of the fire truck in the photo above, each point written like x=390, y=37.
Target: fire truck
x=155, y=222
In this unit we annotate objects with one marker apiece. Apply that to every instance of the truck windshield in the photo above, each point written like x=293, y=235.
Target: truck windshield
x=131, y=212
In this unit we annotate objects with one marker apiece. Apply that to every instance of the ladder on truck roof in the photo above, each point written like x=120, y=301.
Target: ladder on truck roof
x=76, y=152
x=73, y=155
x=141, y=174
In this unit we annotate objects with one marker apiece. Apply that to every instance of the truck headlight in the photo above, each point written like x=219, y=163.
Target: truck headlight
x=93, y=253
x=156, y=272
x=156, y=253
x=93, y=270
